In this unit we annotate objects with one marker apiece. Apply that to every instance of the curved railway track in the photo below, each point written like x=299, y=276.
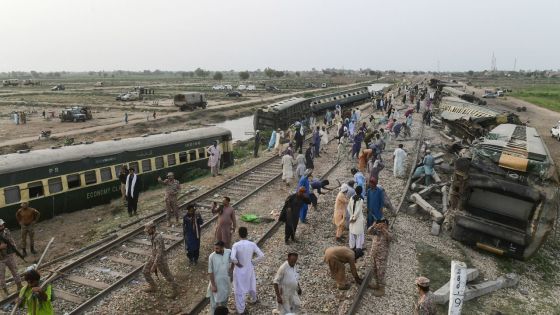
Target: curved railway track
x=81, y=283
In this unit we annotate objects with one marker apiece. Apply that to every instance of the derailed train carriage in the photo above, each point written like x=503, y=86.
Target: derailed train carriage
x=284, y=113
x=506, y=195
x=70, y=178
x=470, y=121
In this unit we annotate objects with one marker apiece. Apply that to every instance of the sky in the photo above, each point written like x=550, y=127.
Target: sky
x=177, y=35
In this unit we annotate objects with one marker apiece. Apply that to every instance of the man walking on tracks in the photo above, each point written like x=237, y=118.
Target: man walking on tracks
x=244, y=280
x=286, y=286
x=172, y=189
x=7, y=250
x=218, y=273
x=132, y=191
x=214, y=159
x=226, y=221
x=290, y=213
x=157, y=261
x=380, y=252
x=191, y=232
x=27, y=217
x=257, y=143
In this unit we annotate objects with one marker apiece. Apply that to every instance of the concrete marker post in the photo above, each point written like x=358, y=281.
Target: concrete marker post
x=458, y=285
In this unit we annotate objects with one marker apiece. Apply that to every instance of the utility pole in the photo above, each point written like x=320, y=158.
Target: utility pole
x=438, y=66
x=514, y=64
x=493, y=66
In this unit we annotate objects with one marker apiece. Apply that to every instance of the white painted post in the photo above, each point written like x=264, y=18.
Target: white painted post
x=458, y=284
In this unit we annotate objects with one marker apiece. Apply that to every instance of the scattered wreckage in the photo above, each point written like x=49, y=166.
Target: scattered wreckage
x=503, y=196
x=469, y=121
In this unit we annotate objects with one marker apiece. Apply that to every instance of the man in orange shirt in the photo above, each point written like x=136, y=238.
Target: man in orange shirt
x=27, y=217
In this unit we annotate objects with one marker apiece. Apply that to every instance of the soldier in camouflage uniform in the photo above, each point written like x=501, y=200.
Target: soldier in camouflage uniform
x=7, y=259
x=425, y=304
x=157, y=261
x=380, y=252
x=172, y=189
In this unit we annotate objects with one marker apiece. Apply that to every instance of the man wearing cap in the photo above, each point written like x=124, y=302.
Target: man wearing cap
x=27, y=218
x=172, y=189
x=290, y=213
x=214, y=158
x=304, y=183
x=7, y=258
x=286, y=286
x=157, y=261
x=336, y=257
x=380, y=252
x=425, y=304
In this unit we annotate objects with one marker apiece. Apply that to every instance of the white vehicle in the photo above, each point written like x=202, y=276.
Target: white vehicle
x=555, y=131
x=228, y=87
x=241, y=87
x=323, y=85
x=130, y=96
x=218, y=87
x=251, y=87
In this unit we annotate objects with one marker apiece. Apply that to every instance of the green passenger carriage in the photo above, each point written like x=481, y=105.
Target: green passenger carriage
x=70, y=178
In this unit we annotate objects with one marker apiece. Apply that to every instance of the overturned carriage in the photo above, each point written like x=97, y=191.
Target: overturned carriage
x=505, y=196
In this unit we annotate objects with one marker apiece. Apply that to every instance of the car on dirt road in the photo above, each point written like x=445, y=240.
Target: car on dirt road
x=489, y=95
x=555, y=131
x=58, y=87
x=234, y=94
x=72, y=114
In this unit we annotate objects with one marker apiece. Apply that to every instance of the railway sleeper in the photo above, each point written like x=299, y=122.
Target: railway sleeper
x=68, y=296
x=125, y=261
x=87, y=282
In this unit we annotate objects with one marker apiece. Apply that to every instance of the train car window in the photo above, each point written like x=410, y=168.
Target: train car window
x=106, y=174
x=171, y=159
x=201, y=153
x=146, y=165
x=192, y=155
x=90, y=177
x=182, y=157
x=134, y=165
x=36, y=189
x=12, y=194
x=159, y=162
x=55, y=185
x=73, y=181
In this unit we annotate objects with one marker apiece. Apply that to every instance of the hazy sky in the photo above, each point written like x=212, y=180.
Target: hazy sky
x=76, y=35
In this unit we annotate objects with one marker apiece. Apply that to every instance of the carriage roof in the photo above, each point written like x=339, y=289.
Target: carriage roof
x=44, y=157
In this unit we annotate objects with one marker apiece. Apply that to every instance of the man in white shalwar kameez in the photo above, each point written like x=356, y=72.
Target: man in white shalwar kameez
x=286, y=286
x=214, y=158
x=244, y=280
x=219, y=287
x=399, y=157
x=287, y=168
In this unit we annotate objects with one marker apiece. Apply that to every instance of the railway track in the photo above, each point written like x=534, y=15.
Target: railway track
x=81, y=283
x=355, y=306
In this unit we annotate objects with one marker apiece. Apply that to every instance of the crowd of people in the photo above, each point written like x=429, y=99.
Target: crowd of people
x=359, y=209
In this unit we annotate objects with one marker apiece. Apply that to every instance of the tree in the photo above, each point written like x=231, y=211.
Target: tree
x=278, y=74
x=244, y=75
x=269, y=72
x=218, y=76
x=34, y=74
x=470, y=73
x=297, y=74
x=200, y=72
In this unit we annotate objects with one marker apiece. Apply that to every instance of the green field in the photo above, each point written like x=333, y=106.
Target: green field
x=547, y=96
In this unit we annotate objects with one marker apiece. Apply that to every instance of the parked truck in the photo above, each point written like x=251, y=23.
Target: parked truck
x=190, y=100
